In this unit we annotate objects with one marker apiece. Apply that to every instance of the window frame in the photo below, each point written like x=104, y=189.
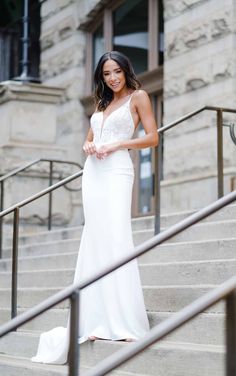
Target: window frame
x=150, y=79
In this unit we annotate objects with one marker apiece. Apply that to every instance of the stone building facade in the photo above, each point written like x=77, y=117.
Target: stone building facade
x=196, y=38
x=199, y=70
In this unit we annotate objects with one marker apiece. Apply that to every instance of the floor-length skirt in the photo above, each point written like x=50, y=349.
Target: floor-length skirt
x=113, y=307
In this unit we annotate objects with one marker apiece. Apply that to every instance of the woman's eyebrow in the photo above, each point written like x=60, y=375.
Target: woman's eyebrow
x=107, y=71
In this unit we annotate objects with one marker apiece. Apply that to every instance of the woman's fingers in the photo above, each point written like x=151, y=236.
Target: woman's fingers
x=101, y=152
x=101, y=155
x=89, y=148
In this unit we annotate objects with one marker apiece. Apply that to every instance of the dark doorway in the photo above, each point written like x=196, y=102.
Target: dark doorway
x=11, y=12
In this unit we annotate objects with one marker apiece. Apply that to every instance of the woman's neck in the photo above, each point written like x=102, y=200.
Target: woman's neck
x=121, y=95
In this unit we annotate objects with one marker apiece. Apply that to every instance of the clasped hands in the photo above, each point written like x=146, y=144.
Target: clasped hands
x=101, y=151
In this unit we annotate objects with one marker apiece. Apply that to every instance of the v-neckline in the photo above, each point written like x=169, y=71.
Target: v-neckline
x=105, y=118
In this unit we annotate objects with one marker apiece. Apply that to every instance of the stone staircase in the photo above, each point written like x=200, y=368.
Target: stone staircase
x=173, y=275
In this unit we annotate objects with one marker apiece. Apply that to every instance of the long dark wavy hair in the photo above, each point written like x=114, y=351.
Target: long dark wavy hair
x=103, y=94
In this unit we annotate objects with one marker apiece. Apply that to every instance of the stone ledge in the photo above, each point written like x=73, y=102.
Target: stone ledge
x=21, y=91
x=39, y=146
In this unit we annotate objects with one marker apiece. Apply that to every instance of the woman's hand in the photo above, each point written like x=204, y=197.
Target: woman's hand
x=89, y=148
x=105, y=150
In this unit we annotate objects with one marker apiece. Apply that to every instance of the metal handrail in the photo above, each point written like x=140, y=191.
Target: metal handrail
x=220, y=174
x=23, y=168
x=232, y=131
x=72, y=292
x=16, y=210
x=193, y=113
x=226, y=290
x=35, y=161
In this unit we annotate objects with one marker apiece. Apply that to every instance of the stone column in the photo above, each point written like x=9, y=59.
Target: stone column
x=28, y=131
x=28, y=127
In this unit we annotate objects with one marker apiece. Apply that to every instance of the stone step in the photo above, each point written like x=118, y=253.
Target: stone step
x=203, y=231
x=164, y=358
x=157, y=298
x=155, y=274
x=206, y=231
x=140, y=223
x=44, y=322
x=49, y=261
x=15, y=366
x=181, y=251
x=173, y=298
x=192, y=251
x=50, y=247
x=207, y=328
x=167, y=220
x=39, y=278
x=188, y=272
x=46, y=236
x=22, y=344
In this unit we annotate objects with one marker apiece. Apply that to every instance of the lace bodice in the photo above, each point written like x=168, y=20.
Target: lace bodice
x=119, y=125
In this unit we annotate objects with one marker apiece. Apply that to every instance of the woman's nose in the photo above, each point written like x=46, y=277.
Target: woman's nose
x=112, y=76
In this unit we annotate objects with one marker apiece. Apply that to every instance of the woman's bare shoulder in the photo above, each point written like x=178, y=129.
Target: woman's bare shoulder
x=140, y=94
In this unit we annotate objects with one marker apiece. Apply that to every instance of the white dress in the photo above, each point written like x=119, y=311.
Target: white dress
x=113, y=308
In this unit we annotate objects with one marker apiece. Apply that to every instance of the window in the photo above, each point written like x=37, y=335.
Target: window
x=145, y=181
x=98, y=45
x=160, y=39
x=11, y=13
x=134, y=27
x=146, y=166
x=130, y=32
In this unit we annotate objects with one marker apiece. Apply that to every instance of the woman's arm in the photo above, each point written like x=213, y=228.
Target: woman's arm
x=144, y=113
x=89, y=146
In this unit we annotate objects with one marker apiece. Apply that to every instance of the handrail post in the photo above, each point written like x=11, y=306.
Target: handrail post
x=14, y=263
x=158, y=163
x=220, y=172
x=74, y=334
x=231, y=334
x=1, y=219
x=50, y=196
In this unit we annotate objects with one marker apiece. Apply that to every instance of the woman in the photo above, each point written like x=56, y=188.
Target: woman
x=113, y=307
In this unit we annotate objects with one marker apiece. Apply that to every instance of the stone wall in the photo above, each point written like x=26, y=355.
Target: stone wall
x=28, y=138
x=63, y=64
x=199, y=70
x=28, y=133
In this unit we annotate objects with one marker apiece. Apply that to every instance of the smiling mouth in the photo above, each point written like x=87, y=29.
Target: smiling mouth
x=115, y=85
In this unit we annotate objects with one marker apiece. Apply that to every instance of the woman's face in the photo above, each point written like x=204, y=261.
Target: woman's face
x=113, y=75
